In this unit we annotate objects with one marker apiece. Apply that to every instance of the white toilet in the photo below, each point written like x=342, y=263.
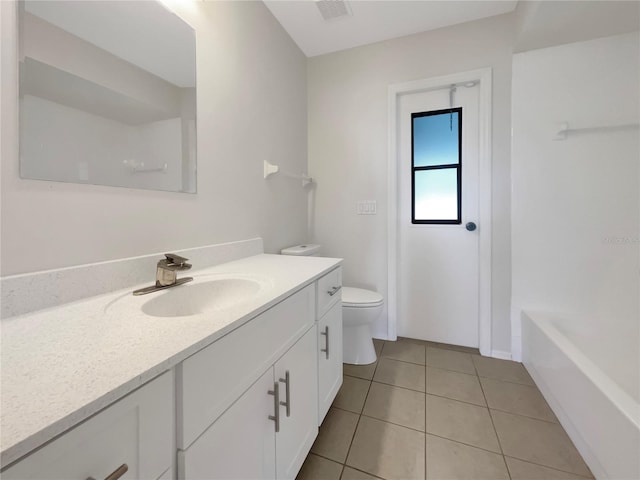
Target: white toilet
x=360, y=308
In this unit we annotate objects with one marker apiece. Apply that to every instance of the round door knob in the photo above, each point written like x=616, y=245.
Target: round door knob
x=470, y=226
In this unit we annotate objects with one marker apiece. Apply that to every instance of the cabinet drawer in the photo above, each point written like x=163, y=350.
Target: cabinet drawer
x=212, y=379
x=136, y=431
x=329, y=291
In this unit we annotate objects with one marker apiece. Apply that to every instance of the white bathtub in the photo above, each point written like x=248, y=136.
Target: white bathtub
x=601, y=417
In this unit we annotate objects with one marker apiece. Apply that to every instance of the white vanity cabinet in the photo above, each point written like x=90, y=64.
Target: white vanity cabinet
x=329, y=314
x=329, y=359
x=328, y=291
x=241, y=444
x=298, y=422
x=234, y=426
x=245, y=405
x=131, y=439
x=264, y=434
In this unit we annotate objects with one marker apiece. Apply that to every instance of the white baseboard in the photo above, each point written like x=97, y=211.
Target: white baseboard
x=516, y=348
x=501, y=354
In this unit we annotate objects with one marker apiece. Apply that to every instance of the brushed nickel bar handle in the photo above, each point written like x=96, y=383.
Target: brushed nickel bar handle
x=334, y=290
x=326, y=334
x=118, y=472
x=276, y=403
x=287, y=382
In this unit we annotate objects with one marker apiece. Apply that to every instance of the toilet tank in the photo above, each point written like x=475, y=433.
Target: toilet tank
x=306, y=250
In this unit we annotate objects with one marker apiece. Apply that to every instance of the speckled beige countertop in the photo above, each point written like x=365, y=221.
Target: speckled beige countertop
x=62, y=365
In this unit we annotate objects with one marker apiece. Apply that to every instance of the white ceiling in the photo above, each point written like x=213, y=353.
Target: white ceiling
x=374, y=21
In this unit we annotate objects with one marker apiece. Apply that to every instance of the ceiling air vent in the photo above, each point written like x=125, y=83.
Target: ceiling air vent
x=330, y=9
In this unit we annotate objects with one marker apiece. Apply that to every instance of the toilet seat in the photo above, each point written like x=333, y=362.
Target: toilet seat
x=360, y=298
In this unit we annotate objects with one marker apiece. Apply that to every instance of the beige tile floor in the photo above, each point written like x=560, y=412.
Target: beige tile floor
x=438, y=412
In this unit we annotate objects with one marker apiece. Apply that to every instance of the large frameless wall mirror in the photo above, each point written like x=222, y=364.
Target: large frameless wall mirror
x=107, y=94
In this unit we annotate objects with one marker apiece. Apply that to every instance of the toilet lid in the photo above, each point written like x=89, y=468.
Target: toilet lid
x=359, y=297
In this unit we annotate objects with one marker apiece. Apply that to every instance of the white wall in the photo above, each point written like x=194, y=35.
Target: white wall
x=576, y=201
x=543, y=23
x=348, y=145
x=251, y=106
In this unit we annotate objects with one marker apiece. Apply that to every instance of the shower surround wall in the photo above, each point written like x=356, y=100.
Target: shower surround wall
x=576, y=239
x=251, y=107
x=576, y=201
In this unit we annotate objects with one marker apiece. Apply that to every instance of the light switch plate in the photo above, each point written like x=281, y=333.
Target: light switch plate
x=366, y=207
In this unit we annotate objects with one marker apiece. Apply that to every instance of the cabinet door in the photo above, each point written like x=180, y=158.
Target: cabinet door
x=212, y=379
x=133, y=437
x=241, y=443
x=298, y=420
x=329, y=358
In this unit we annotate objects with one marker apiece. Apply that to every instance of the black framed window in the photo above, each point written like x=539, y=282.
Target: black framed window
x=436, y=167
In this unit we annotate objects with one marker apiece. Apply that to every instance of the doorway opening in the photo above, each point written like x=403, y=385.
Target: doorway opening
x=441, y=189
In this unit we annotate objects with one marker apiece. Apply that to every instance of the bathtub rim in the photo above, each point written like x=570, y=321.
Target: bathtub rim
x=619, y=398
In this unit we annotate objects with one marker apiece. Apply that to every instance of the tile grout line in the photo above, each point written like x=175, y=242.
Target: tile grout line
x=440, y=346
x=345, y=410
x=425, y=392
x=360, y=415
x=522, y=416
x=465, y=444
x=425, y=432
x=507, y=411
x=353, y=376
x=403, y=361
x=453, y=371
x=409, y=389
x=445, y=397
x=454, y=441
x=495, y=431
x=507, y=465
x=398, y=386
x=525, y=416
x=456, y=400
x=547, y=466
x=326, y=458
x=509, y=381
x=425, y=413
x=355, y=430
x=438, y=436
x=391, y=423
x=362, y=471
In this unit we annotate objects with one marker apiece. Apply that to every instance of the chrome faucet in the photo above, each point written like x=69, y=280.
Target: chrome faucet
x=166, y=273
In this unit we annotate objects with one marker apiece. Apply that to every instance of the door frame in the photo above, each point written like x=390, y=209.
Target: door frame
x=484, y=78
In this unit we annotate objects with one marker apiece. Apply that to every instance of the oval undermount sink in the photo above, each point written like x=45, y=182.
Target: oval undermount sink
x=202, y=297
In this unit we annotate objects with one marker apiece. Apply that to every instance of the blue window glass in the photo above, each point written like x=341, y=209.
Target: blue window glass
x=435, y=139
x=436, y=194
x=436, y=171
